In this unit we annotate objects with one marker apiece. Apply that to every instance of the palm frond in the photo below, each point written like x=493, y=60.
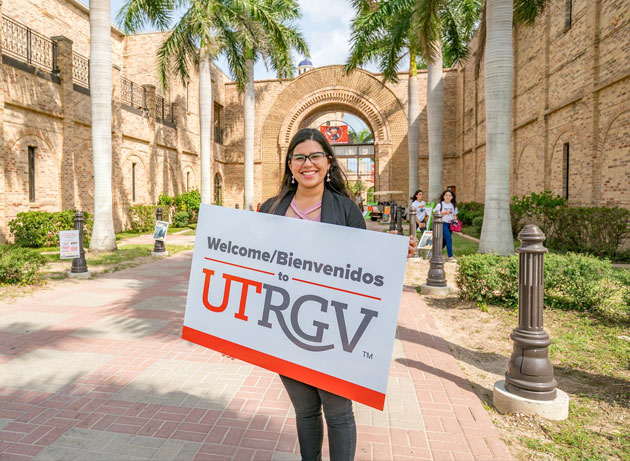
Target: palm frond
x=136, y=14
x=526, y=11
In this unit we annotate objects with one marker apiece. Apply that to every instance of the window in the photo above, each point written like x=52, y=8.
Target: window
x=565, y=170
x=218, y=115
x=133, y=182
x=31, y=173
x=187, y=181
x=568, y=13
x=218, y=190
x=352, y=165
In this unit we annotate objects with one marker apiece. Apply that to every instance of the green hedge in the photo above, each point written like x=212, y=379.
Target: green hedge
x=19, y=266
x=572, y=281
x=36, y=229
x=468, y=211
x=142, y=218
x=188, y=201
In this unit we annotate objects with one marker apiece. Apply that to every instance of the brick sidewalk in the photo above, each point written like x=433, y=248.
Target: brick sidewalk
x=96, y=370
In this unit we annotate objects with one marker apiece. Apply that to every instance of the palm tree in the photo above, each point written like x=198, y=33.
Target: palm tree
x=103, y=237
x=380, y=33
x=268, y=34
x=429, y=30
x=496, y=231
x=444, y=27
x=207, y=29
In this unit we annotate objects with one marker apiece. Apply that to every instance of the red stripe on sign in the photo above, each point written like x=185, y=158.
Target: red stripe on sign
x=335, y=288
x=237, y=265
x=329, y=383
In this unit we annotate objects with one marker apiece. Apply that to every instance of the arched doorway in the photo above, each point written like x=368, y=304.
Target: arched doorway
x=329, y=89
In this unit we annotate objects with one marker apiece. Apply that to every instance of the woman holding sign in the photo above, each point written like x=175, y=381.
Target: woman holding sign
x=314, y=188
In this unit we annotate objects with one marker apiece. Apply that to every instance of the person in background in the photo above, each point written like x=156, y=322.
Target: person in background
x=360, y=202
x=314, y=188
x=419, y=205
x=448, y=206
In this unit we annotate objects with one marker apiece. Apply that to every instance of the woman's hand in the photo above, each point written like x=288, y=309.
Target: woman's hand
x=411, y=249
x=412, y=246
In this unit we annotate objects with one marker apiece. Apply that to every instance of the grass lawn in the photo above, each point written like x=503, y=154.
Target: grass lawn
x=123, y=255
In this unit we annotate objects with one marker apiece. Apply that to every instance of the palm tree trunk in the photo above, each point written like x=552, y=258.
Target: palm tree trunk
x=103, y=238
x=496, y=233
x=205, y=125
x=435, y=110
x=413, y=123
x=249, y=118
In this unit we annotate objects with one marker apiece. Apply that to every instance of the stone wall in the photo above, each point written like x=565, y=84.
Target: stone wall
x=284, y=107
x=51, y=113
x=571, y=91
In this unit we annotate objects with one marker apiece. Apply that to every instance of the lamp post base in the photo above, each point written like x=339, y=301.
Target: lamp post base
x=79, y=275
x=506, y=402
x=436, y=291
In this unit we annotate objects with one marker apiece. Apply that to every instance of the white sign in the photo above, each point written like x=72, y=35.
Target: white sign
x=300, y=298
x=159, y=233
x=69, y=244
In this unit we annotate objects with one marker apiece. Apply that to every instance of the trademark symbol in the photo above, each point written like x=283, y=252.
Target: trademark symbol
x=368, y=355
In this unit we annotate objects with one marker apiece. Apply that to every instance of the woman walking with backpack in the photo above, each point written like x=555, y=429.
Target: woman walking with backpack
x=448, y=207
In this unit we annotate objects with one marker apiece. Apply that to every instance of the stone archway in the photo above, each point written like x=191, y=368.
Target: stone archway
x=326, y=88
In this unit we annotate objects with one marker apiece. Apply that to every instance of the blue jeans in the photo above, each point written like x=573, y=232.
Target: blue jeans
x=447, y=240
x=342, y=431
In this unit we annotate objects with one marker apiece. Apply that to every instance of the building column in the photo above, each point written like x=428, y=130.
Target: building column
x=120, y=198
x=3, y=153
x=65, y=69
x=149, y=95
x=591, y=95
x=545, y=103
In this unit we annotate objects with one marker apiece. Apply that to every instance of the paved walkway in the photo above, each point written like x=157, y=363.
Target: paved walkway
x=96, y=369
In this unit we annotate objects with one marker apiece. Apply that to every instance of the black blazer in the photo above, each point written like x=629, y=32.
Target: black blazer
x=336, y=209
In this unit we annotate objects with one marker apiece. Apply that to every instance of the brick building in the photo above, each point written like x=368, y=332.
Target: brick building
x=571, y=107
x=571, y=116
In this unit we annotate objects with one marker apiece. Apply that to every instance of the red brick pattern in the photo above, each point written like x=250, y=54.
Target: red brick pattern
x=255, y=424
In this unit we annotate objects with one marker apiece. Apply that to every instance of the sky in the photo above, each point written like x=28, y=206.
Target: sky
x=325, y=25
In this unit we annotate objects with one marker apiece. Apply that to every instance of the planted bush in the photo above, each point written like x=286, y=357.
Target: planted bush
x=468, y=211
x=36, y=229
x=181, y=218
x=572, y=281
x=599, y=231
x=19, y=266
x=142, y=218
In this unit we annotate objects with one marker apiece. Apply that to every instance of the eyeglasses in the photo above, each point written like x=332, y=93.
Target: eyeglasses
x=315, y=158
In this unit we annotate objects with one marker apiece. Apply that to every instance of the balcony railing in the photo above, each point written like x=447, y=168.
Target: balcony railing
x=164, y=108
x=25, y=44
x=133, y=94
x=80, y=70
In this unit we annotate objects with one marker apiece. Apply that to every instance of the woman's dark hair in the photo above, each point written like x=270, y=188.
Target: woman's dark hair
x=415, y=194
x=454, y=202
x=338, y=180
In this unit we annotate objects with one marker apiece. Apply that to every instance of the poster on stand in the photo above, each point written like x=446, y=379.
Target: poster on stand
x=69, y=244
x=300, y=298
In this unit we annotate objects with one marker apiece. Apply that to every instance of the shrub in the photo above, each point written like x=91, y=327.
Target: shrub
x=468, y=211
x=19, y=266
x=36, y=229
x=572, y=281
x=598, y=231
x=166, y=200
x=577, y=282
x=181, y=218
x=142, y=218
x=477, y=222
x=488, y=278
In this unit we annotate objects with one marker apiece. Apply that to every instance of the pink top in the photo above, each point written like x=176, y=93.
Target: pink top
x=304, y=214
